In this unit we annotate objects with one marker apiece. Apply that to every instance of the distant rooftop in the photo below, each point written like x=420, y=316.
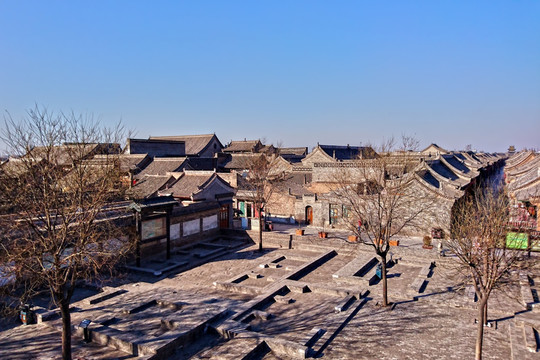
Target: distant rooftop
x=348, y=152
x=195, y=144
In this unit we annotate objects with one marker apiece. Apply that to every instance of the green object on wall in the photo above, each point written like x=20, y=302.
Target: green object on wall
x=517, y=240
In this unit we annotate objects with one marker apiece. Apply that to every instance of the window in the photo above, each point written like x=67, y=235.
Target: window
x=334, y=214
x=347, y=211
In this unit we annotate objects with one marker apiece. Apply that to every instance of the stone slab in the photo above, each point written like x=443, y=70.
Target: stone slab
x=417, y=284
x=344, y=304
x=312, y=337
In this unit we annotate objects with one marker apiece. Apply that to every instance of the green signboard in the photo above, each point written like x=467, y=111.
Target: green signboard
x=516, y=240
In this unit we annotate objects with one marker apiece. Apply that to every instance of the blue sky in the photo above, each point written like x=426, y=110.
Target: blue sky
x=295, y=72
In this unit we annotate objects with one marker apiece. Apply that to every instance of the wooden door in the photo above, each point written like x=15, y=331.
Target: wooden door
x=224, y=217
x=309, y=215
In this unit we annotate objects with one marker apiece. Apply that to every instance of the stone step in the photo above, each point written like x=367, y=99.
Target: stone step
x=283, y=299
x=345, y=303
x=517, y=342
x=530, y=318
x=306, y=268
x=105, y=295
x=236, y=348
x=359, y=265
x=312, y=337
x=426, y=270
x=417, y=285
x=530, y=338
x=323, y=342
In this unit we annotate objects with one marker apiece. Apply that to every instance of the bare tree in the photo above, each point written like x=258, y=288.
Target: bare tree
x=261, y=179
x=478, y=240
x=381, y=200
x=56, y=231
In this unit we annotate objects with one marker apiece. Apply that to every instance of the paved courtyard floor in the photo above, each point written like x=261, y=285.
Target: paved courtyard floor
x=320, y=299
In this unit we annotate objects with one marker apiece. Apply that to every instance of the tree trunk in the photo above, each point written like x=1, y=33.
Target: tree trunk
x=66, y=330
x=486, y=313
x=384, y=282
x=480, y=329
x=260, y=230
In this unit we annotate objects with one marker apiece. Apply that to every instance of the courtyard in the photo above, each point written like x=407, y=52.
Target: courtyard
x=319, y=299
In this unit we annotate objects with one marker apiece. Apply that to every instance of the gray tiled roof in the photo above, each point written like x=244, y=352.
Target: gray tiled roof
x=201, y=163
x=238, y=161
x=241, y=146
x=195, y=144
x=300, y=151
x=64, y=155
x=349, y=152
x=525, y=179
x=188, y=184
x=129, y=161
x=517, y=158
x=147, y=186
x=161, y=166
x=454, y=161
x=427, y=177
x=526, y=166
x=442, y=170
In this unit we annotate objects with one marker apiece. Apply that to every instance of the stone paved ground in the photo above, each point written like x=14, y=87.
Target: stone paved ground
x=40, y=342
x=416, y=330
x=439, y=325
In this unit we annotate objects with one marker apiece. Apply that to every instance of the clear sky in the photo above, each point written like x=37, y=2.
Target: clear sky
x=297, y=72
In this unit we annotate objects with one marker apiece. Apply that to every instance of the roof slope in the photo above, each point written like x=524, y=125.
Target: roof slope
x=456, y=163
x=238, y=161
x=147, y=186
x=198, y=185
x=195, y=144
x=243, y=146
x=299, y=151
x=349, y=152
x=434, y=148
x=189, y=184
x=161, y=166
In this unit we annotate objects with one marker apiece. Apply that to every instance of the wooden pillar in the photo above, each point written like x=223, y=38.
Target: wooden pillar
x=168, y=226
x=138, y=239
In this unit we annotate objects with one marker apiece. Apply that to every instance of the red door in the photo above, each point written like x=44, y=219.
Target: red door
x=309, y=215
x=224, y=217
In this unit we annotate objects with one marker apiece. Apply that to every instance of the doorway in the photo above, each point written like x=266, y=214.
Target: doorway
x=309, y=215
x=224, y=217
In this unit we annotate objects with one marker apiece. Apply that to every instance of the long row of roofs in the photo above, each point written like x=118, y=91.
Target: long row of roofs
x=522, y=175
x=152, y=161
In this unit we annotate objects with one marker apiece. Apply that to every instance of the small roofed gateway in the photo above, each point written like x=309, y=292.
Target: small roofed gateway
x=203, y=186
x=198, y=205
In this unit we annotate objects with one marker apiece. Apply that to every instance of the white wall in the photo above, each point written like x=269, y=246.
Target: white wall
x=210, y=222
x=175, y=231
x=192, y=227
